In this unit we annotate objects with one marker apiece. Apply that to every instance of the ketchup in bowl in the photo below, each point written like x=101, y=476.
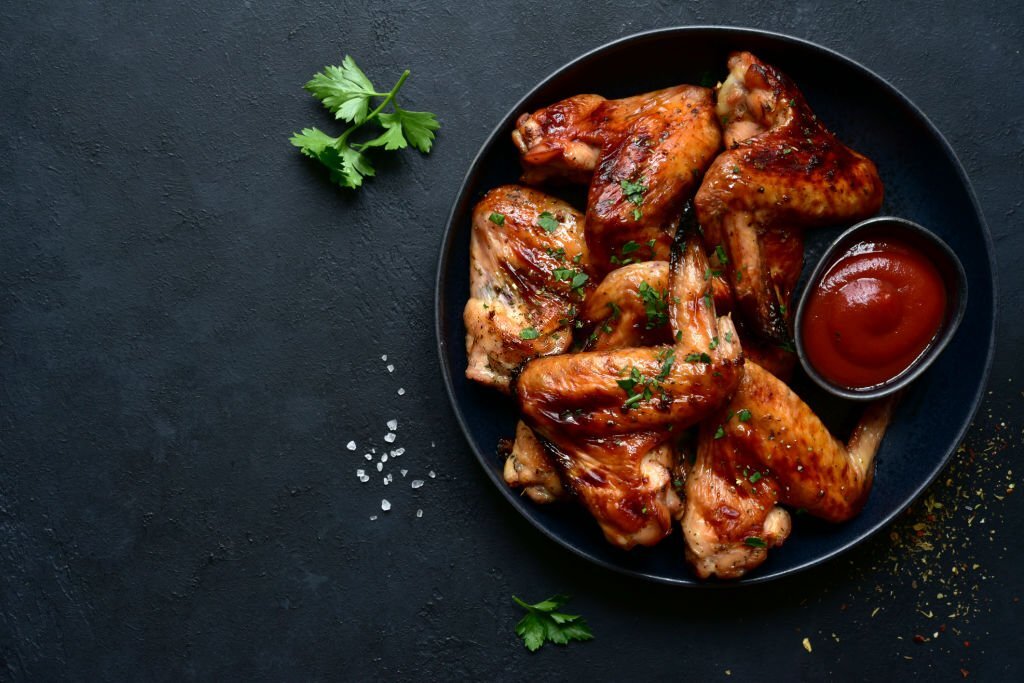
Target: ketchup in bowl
x=877, y=308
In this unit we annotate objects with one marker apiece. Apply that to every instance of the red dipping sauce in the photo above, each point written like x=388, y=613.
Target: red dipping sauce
x=878, y=307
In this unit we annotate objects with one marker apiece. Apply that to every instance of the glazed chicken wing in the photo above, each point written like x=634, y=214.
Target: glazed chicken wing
x=529, y=466
x=607, y=415
x=643, y=156
x=528, y=260
x=765, y=448
x=782, y=171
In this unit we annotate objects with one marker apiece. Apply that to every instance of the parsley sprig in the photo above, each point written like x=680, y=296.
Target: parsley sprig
x=544, y=623
x=348, y=94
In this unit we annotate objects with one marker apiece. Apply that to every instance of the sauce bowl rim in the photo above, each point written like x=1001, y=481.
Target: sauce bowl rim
x=957, y=276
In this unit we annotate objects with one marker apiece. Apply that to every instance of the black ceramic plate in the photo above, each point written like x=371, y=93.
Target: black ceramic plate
x=924, y=182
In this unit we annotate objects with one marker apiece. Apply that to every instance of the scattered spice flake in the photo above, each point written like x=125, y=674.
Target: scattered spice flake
x=807, y=644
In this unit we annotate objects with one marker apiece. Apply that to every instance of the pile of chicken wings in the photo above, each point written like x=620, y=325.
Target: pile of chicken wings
x=646, y=341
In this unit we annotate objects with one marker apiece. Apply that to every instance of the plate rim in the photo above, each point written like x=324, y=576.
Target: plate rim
x=447, y=244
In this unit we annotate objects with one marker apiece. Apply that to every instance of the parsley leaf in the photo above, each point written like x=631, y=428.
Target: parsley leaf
x=655, y=305
x=547, y=221
x=348, y=94
x=755, y=542
x=543, y=623
x=528, y=333
x=497, y=218
x=744, y=415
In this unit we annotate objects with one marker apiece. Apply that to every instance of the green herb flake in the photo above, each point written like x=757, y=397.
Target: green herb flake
x=754, y=478
x=755, y=542
x=744, y=415
x=720, y=432
x=547, y=221
x=720, y=253
x=497, y=218
x=528, y=333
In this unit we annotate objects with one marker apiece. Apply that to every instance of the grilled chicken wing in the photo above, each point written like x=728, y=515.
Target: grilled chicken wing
x=782, y=171
x=607, y=415
x=528, y=260
x=643, y=156
x=528, y=466
x=767, y=447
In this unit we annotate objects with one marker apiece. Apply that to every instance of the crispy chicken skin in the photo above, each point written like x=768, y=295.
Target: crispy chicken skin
x=617, y=313
x=613, y=455
x=643, y=156
x=521, y=278
x=782, y=171
x=772, y=449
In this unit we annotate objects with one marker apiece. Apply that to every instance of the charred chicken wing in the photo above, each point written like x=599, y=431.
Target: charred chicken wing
x=764, y=448
x=606, y=415
x=782, y=171
x=528, y=260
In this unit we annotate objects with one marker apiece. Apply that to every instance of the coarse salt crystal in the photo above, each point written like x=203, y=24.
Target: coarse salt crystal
x=384, y=458
x=416, y=483
x=380, y=467
x=365, y=478
x=431, y=444
x=351, y=445
x=385, y=505
x=391, y=368
x=392, y=425
x=373, y=518
x=419, y=513
x=390, y=437
x=401, y=391
x=360, y=473
x=397, y=452
x=384, y=357
x=431, y=474
x=405, y=472
x=368, y=456
x=386, y=482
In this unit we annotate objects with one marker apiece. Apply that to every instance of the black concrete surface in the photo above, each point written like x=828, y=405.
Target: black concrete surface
x=191, y=328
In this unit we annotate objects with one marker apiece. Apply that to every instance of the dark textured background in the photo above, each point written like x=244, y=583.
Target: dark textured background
x=191, y=325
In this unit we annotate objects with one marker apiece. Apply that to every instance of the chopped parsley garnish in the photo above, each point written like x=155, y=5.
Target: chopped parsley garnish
x=655, y=305
x=714, y=344
x=736, y=170
x=497, y=218
x=782, y=309
x=667, y=358
x=728, y=337
x=707, y=298
x=547, y=221
x=720, y=432
x=528, y=333
x=629, y=247
x=710, y=273
x=720, y=253
x=575, y=278
x=616, y=311
x=634, y=192
x=755, y=542
x=697, y=358
x=788, y=347
x=556, y=253
x=754, y=478
x=543, y=623
x=744, y=415
x=640, y=388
